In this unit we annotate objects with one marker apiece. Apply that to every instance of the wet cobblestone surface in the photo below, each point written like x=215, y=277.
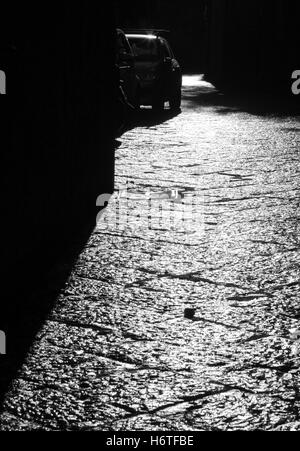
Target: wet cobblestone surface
x=183, y=310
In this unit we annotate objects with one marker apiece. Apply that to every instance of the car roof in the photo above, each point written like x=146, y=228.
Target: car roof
x=142, y=36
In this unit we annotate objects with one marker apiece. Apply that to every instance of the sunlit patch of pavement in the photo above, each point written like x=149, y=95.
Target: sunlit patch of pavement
x=180, y=313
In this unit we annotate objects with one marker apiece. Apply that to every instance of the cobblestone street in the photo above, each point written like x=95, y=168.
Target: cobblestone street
x=183, y=310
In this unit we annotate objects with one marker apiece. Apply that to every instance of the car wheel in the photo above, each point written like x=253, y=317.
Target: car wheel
x=175, y=100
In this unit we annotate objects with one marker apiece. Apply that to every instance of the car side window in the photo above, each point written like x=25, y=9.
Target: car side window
x=123, y=46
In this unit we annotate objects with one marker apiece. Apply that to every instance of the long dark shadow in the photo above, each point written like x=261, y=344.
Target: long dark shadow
x=30, y=290
x=146, y=117
x=229, y=99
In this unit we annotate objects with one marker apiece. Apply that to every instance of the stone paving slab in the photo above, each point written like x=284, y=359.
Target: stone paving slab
x=205, y=217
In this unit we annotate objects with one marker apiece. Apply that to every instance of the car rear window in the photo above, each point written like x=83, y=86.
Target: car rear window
x=144, y=48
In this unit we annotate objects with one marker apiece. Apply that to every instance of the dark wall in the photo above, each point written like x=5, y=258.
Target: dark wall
x=56, y=150
x=254, y=42
x=56, y=132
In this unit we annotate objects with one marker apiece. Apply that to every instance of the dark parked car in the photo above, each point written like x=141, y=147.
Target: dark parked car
x=159, y=73
x=127, y=70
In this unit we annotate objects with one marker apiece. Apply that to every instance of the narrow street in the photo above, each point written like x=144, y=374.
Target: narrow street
x=183, y=310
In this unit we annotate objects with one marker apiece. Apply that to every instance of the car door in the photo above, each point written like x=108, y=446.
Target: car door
x=166, y=65
x=172, y=71
x=125, y=61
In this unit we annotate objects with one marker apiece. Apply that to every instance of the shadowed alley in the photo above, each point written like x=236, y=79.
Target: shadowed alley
x=179, y=313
